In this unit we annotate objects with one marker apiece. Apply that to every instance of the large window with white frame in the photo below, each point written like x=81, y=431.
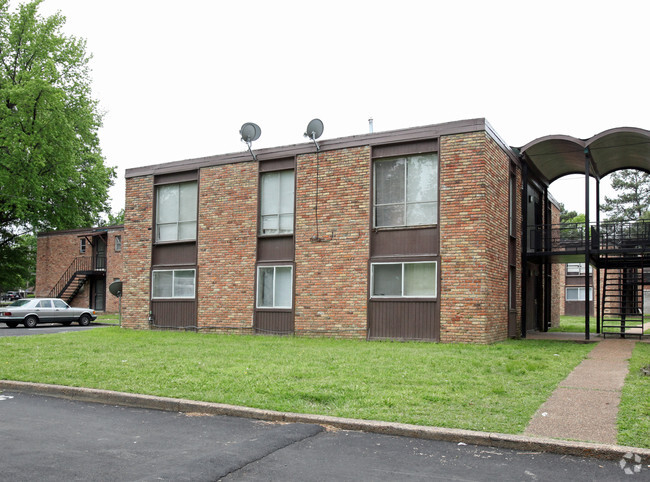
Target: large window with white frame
x=403, y=280
x=275, y=286
x=277, y=201
x=173, y=283
x=577, y=293
x=406, y=191
x=176, y=208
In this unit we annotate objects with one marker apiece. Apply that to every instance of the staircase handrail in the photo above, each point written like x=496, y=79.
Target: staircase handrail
x=80, y=263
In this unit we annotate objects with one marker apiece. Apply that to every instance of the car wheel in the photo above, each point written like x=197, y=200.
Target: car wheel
x=12, y=324
x=31, y=322
x=84, y=320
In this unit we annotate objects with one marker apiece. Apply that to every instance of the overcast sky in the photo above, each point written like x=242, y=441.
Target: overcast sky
x=177, y=79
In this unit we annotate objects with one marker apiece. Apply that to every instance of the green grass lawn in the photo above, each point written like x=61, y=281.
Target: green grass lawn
x=576, y=324
x=108, y=318
x=490, y=388
x=634, y=409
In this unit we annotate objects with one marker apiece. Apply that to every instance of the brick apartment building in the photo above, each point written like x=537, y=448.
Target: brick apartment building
x=78, y=265
x=440, y=233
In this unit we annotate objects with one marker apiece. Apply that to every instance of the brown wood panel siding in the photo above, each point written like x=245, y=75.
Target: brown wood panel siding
x=174, y=314
x=577, y=308
x=278, y=164
x=274, y=322
x=405, y=242
x=428, y=145
x=403, y=320
x=176, y=177
x=277, y=248
x=174, y=254
x=577, y=281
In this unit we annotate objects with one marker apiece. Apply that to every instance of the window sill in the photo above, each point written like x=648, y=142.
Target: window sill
x=275, y=310
x=183, y=241
x=266, y=236
x=404, y=228
x=404, y=299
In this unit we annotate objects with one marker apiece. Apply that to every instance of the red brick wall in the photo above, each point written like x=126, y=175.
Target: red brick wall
x=332, y=274
x=136, y=246
x=227, y=242
x=557, y=279
x=474, y=183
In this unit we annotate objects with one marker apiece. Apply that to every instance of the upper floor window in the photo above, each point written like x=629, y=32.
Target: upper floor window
x=118, y=243
x=406, y=191
x=277, y=200
x=82, y=245
x=176, y=211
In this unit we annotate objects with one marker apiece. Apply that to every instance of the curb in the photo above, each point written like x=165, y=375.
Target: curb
x=515, y=442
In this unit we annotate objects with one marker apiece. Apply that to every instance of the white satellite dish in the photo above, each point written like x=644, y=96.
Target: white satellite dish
x=250, y=132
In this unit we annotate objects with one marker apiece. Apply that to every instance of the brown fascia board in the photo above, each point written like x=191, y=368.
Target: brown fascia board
x=379, y=138
x=82, y=231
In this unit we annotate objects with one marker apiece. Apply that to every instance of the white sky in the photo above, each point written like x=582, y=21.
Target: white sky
x=177, y=79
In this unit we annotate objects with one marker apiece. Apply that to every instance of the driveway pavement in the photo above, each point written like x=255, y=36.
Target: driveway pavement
x=47, y=439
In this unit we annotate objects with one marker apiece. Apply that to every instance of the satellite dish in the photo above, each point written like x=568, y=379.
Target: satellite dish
x=314, y=131
x=250, y=132
x=115, y=288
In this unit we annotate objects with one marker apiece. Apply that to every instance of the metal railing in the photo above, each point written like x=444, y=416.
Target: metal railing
x=79, y=264
x=571, y=237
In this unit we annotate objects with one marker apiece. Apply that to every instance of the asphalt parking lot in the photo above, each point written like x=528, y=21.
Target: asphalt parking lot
x=48, y=438
x=45, y=329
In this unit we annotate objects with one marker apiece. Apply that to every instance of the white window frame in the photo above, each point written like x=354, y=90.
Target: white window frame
x=257, y=287
x=402, y=296
x=118, y=243
x=281, y=196
x=581, y=293
x=178, y=221
x=173, y=271
x=405, y=203
x=82, y=245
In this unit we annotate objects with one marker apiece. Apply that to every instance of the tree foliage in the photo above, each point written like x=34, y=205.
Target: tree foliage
x=633, y=196
x=52, y=172
x=18, y=263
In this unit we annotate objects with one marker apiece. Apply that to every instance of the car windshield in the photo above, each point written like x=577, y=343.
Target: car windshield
x=19, y=302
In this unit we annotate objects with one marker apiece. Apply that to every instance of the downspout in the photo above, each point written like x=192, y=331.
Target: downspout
x=524, y=243
x=587, y=243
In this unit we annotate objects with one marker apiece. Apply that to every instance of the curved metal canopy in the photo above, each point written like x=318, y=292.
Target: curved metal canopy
x=611, y=150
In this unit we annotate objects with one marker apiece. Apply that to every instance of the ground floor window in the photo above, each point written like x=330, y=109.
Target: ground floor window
x=578, y=294
x=176, y=283
x=274, y=286
x=403, y=280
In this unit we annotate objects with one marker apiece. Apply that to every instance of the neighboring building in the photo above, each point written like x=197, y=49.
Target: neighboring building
x=440, y=233
x=78, y=265
x=575, y=294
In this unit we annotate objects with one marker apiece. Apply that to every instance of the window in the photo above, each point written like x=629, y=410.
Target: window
x=44, y=304
x=576, y=269
x=406, y=191
x=176, y=212
x=276, y=207
x=578, y=294
x=403, y=280
x=82, y=245
x=274, y=286
x=118, y=243
x=177, y=283
x=59, y=304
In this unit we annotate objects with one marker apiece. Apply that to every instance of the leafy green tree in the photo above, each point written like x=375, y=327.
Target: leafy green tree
x=18, y=262
x=633, y=196
x=52, y=172
x=567, y=216
x=112, y=219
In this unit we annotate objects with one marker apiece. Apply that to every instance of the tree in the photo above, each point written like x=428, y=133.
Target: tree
x=18, y=262
x=567, y=216
x=112, y=219
x=52, y=172
x=633, y=199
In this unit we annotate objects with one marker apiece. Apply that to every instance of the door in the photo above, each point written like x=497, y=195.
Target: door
x=533, y=296
x=99, y=291
x=100, y=253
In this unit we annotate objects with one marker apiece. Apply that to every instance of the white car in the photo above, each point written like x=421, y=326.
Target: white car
x=32, y=311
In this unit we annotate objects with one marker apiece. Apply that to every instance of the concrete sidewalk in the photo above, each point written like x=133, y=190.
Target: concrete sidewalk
x=585, y=405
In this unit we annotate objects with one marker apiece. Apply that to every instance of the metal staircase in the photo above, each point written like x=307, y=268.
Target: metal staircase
x=74, y=278
x=622, y=302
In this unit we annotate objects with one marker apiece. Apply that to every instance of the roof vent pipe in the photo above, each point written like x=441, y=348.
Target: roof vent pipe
x=370, y=125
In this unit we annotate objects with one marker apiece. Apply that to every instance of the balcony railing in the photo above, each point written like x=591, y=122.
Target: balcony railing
x=571, y=237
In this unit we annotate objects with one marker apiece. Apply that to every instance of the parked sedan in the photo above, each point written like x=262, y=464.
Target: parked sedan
x=31, y=312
